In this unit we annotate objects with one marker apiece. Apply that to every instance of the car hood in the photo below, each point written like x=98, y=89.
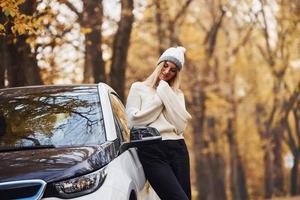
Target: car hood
x=54, y=164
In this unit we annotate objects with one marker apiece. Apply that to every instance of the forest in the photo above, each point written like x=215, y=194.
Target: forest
x=241, y=77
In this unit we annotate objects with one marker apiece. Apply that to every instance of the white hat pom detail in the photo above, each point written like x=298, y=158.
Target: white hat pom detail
x=181, y=48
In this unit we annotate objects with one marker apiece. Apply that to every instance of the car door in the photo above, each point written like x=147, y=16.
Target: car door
x=134, y=165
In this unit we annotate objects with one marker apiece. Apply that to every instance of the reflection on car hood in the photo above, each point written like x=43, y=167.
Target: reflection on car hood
x=54, y=164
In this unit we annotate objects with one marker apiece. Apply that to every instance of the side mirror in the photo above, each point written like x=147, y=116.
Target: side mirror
x=140, y=136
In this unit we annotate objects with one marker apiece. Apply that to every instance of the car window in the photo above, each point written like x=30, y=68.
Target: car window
x=119, y=128
x=119, y=113
x=57, y=117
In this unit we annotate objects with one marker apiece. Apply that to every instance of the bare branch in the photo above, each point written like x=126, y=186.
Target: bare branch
x=211, y=36
x=182, y=11
x=267, y=37
x=243, y=41
x=159, y=23
x=72, y=8
x=297, y=124
x=291, y=140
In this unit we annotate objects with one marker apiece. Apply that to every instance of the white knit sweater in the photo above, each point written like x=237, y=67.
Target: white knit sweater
x=163, y=109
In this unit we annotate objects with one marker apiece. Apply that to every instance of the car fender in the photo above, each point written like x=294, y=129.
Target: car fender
x=127, y=168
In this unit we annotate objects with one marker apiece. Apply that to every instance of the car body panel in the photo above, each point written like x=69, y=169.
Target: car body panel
x=54, y=164
x=124, y=175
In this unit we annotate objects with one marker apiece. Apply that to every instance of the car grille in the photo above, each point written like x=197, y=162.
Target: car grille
x=31, y=189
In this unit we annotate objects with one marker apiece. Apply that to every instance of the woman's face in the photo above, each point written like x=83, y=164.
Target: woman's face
x=168, y=71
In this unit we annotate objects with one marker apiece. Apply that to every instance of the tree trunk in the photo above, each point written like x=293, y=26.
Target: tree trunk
x=216, y=161
x=278, y=162
x=237, y=175
x=4, y=60
x=23, y=69
x=120, y=48
x=160, y=24
x=15, y=73
x=209, y=163
x=17, y=59
x=267, y=136
x=296, y=152
x=219, y=178
x=92, y=18
x=205, y=184
x=202, y=180
x=293, y=142
x=294, y=189
x=3, y=55
x=30, y=67
x=268, y=169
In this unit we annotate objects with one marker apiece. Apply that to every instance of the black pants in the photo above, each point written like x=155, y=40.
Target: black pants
x=166, y=166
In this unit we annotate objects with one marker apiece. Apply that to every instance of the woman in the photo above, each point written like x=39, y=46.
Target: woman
x=159, y=103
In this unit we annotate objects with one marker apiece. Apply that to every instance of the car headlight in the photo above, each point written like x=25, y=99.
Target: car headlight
x=81, y=185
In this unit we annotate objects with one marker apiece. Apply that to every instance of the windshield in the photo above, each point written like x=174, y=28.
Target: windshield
x=50, y=117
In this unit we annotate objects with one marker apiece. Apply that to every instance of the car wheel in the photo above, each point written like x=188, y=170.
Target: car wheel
x=132, y=196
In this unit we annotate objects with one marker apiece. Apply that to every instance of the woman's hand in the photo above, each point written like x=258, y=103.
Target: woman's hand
x=163, y=84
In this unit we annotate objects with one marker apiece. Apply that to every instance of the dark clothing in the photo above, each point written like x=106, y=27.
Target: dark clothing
x=166, y=166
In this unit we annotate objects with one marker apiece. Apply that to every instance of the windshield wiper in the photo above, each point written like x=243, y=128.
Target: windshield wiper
x=7, y=149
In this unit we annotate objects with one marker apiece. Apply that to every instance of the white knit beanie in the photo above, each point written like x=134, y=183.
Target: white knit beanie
x=174, y=55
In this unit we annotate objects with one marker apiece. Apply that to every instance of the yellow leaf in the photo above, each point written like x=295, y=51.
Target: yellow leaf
x=85, y=30
x=9, y=12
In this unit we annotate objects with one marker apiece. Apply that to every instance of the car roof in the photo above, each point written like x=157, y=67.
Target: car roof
x=41, y=87
x=19, y=91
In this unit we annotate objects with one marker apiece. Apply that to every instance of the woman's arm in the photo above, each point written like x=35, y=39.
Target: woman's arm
x=136, y=116
x=175, y=106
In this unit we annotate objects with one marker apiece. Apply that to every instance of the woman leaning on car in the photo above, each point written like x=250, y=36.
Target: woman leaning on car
x=158, y=102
